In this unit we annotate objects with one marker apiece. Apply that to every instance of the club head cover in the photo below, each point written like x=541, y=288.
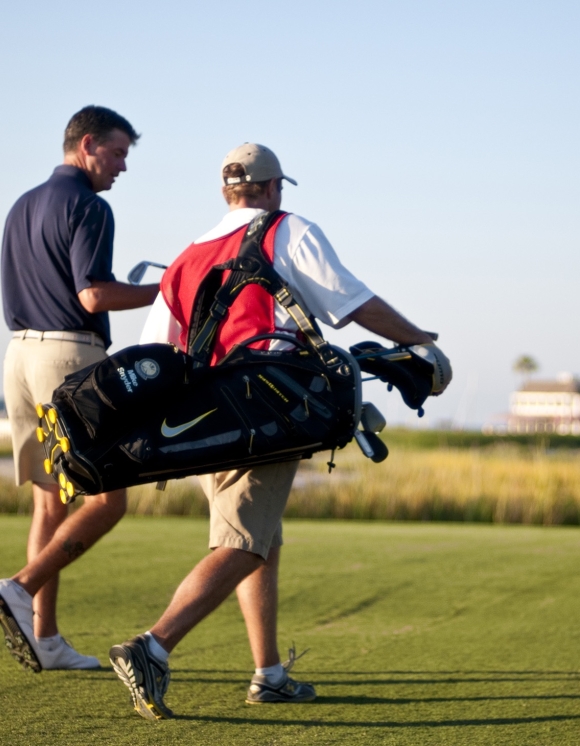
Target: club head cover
x=442, y=373
x=412, y=376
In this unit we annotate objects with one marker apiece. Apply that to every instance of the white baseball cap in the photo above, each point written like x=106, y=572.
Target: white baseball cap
x=259, y=164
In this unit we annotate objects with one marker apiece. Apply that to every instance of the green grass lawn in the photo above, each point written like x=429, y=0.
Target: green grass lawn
x=418, y=634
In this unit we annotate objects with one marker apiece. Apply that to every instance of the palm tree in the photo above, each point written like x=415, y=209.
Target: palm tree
x=525, y=365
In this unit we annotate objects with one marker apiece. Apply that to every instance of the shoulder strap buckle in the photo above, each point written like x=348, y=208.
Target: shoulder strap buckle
x=284, y=296
x=218, y=310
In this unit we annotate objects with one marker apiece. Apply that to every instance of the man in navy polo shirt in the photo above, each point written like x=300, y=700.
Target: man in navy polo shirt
x=57, y=286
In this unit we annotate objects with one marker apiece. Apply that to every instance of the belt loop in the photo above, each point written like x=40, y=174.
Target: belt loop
x=41, y=336
x=24, y=334
x=92, y=339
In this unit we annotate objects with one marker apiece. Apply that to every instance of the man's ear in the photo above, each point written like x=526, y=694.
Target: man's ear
x=87, y=145
x=271, y=188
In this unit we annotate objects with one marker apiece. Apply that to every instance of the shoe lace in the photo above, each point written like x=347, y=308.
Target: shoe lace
x=292, y=658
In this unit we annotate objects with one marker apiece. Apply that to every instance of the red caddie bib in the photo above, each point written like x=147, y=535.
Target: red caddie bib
x=251, y=313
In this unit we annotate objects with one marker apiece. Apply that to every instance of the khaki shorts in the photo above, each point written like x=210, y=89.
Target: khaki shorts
x=33, y=368
x=246, y=506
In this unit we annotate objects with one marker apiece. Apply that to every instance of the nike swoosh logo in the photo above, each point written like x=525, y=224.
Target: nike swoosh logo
x=171, y=432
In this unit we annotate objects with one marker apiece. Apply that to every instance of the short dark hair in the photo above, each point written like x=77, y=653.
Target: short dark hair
x=247, y=189
x=97, y=121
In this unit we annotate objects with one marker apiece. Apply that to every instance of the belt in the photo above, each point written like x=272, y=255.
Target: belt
x=85, y=338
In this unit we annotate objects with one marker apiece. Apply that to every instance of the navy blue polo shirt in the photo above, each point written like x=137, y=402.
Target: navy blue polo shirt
x=58, y=238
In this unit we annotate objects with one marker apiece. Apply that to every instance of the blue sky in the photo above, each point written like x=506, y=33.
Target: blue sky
x=434, y=142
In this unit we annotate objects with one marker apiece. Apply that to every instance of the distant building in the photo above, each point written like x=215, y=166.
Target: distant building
x=546, y=407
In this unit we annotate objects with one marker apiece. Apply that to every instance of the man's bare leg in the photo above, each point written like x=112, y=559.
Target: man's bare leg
x=209, y=583
x=49, y=513
x=141, y=663
x=72, y=538
x=258, y=599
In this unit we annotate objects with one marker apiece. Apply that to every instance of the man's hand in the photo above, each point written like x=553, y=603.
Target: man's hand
x=380, y=318
x=116, y=296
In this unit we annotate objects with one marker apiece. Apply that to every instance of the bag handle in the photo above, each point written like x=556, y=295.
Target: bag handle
x=274, y=335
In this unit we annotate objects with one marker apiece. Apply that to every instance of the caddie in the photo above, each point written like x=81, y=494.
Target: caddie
x=246, y=505
x=57, y=286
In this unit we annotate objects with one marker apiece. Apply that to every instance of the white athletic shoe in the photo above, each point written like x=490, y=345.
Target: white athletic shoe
x=16, y=623
x=60, y=655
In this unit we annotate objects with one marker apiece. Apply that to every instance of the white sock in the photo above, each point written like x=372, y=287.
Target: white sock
x=155, y=648
x=273, y=674
x=47, y=642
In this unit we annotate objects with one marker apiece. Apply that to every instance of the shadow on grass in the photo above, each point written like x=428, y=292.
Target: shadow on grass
x=488, y=672
x=395, y=678
x=481, y=672
x=84, y=674
x=380, y=723
x=185, y=675
x=458, y=680
x=425, y=700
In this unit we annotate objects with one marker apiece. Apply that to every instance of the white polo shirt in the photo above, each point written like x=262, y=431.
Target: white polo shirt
x=303, y=257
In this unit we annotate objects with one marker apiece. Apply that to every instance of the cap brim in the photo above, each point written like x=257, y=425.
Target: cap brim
x=292, y=181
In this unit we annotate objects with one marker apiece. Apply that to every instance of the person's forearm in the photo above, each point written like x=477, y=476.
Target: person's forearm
x=380, y=318
x=116, y=296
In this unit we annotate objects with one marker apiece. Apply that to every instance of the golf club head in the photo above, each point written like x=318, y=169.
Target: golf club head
x=371, y=445
x=138, y=272
x=371, y=419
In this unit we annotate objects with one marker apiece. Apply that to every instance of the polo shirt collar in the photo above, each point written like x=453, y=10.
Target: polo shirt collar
x=74, y=173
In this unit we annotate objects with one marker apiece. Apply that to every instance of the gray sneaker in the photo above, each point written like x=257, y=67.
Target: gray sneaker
x=288, y=690
x=146, y=677
x=16, y=623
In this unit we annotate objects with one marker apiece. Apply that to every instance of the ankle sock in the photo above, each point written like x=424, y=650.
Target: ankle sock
x=47, y=643
x=155, y=648
x=274, y=674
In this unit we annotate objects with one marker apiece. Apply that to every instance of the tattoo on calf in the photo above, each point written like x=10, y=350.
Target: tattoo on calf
x=73, y=550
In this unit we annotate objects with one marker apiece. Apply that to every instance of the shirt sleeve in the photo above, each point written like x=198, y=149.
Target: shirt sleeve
x=304, y=257
x=91, y=250
x=161, y=326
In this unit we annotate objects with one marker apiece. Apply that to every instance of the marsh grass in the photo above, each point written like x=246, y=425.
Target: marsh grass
x=499, y=483
x=182, y=497
x=15, y=500
x=492, y=485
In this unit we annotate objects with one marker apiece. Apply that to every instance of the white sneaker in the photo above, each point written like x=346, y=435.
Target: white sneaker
x=58, y=654
x=16, y=623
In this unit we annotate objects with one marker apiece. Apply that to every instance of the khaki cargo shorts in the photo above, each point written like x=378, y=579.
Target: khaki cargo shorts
x=246, y=506
x=33, y=368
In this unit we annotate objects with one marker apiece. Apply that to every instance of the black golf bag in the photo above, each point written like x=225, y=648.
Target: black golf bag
x=151, y=413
